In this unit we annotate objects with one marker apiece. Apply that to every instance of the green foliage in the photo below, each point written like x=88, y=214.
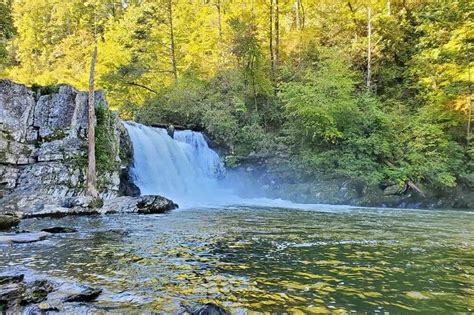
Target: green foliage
x=104, y=149
x=7, y=30
x=312, y=107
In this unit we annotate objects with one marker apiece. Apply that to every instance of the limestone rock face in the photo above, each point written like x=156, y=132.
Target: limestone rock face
x=43, y=147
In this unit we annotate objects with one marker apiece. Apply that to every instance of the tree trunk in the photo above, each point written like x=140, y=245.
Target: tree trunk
x=469, y=113
x=270, y=37
x=299, y=14
x=219, y=18
x=389, y=8
x=91, y=165
x=277, y=35
x=369, y=50
x=172, y=46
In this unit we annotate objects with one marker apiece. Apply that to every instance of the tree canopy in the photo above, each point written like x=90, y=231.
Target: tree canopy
x=272, y=76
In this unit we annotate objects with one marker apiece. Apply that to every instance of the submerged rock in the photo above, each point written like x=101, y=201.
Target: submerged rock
x=37, y=291
x=25, y=292
x=207, y=309
x=7, y=222
x=24, y=237
x=87, y=295
x=11, y=278
x=59, y=229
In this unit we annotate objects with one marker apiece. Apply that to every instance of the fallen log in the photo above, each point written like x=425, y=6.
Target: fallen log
x=409, y=183
x=415, y=188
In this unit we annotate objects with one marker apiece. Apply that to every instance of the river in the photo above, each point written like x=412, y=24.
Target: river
x=380, y=261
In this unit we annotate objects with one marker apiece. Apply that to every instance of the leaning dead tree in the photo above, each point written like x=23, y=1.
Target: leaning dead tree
x=91, y=165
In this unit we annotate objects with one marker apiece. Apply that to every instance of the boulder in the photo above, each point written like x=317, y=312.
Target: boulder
x=143, y=205
x=37, y=291
x=7, y=221
x=24, y=291
x=11, y=278
x=154, y=204
x=11, y=292
x=392, y=190
x=88, y=294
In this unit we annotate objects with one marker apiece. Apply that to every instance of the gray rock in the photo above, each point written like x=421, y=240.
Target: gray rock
x=82, y=202
x=154, y=204
x=207, y=309
x=142, y=205
x=16, y=109
x=7, y=222
x=26, y=292
x=43, y=148
x=11, y=292
x=24, y=237
x=87, y=295
x=59, y=229
x=392, y=190
x=11, y=278
x=37, y=291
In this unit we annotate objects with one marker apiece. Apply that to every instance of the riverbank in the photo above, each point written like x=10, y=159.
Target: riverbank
x=275, y=176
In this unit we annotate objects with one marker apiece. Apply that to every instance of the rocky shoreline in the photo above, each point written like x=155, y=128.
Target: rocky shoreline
x=23, y=291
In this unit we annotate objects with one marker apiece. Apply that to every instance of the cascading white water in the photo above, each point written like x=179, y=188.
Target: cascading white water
x=186, y=170
x=183, y=168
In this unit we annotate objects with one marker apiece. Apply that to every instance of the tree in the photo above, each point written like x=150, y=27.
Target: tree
x=369, y=49
x=172, y=44
x=7, y=30
x=91, y=165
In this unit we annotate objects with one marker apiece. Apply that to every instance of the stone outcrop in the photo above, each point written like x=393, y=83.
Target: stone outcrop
x=24, y=292
x=43, y=153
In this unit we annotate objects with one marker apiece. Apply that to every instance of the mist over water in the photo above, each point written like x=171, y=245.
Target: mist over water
x=187, y=171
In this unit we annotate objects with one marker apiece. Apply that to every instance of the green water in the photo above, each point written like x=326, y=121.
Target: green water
x=265, y=260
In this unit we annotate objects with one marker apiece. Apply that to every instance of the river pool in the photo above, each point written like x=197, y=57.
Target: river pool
x=247, y=259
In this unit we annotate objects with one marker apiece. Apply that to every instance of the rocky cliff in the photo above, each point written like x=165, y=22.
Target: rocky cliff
x=43, y=146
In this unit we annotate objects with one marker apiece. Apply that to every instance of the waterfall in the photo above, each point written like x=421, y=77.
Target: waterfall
x=187, y=171
x=183, y=168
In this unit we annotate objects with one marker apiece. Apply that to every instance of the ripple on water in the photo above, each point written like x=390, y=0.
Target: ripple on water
x=265, y=259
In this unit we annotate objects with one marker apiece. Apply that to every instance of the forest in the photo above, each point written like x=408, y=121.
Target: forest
x=373, y=90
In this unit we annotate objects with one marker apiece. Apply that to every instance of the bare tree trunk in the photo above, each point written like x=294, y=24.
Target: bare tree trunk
x=389, y=8
x=299, y=14
x=277, y=35
x=470, y=113
x=302, y=14
x=172, y=45
x=219, y=18
x=91, y=165
x=369, y=50
x=270, y=36
x=296, y=7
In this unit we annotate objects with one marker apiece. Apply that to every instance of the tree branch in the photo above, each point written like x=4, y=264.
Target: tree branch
x=142, y=86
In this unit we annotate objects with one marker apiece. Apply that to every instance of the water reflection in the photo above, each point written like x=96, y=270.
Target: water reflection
x=266, y=259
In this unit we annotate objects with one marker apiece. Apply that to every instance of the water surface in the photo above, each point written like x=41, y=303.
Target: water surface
x=265, y=259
